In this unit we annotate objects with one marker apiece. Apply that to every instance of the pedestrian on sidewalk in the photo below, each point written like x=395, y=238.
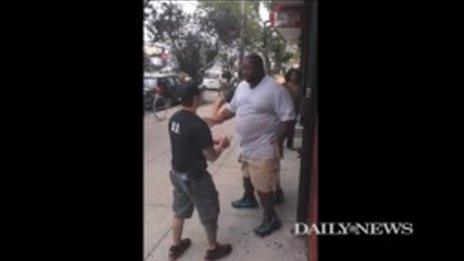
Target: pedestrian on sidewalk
x=264, y=111
x=227, y=84
x=293, y=85
x=192, y=146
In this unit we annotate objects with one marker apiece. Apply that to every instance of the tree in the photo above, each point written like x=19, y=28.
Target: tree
x=212, y=32
x=192, y=46
x=223, y=24
x=195, y=55
x=224, y=20
x=274, y=45
x=278, y=52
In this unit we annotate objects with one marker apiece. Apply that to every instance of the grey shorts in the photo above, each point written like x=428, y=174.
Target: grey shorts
x=201, y=194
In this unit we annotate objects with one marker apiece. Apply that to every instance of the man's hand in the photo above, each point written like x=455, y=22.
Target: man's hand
x=224, y=114
x=280, y=137
x=211, y=121
x=279, y=141
x=218, y=140
x=213, y=153
x=282, y=132
x=224, y=142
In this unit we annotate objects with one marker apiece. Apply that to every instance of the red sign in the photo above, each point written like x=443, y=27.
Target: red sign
x=286, y=16
x=164, y=56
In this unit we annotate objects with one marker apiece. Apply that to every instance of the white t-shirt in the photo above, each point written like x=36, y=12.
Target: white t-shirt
x=260, y=112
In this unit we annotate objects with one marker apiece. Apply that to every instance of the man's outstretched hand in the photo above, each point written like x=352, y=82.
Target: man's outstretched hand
x=211, y=121
x=223, y=142
x=218, y=117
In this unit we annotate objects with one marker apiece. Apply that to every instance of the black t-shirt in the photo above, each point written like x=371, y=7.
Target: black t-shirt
x=189, y=134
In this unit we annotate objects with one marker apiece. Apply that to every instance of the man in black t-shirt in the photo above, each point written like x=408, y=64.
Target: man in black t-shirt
x=191, y=146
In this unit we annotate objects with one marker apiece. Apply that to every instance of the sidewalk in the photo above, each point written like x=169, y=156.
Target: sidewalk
x=235, y=226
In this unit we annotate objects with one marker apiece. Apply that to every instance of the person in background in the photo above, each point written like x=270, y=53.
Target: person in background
x=226, y=92
x=184, y=77
x=226, y=83
x=293, y=85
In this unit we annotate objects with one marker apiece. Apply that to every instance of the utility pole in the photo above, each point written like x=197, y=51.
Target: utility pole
x=266, y=35
x=242, y=47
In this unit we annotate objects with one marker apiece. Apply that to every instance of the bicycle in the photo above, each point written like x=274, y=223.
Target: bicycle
x=159, y=107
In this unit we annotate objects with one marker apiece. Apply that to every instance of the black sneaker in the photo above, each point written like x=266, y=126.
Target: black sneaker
x=245, y=202
x=270, y=224
x=219, y=252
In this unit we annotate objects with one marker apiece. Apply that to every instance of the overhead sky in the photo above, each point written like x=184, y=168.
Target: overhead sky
x=189, y=6
x=263, y=12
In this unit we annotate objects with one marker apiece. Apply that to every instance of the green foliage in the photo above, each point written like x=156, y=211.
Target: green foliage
x=225, y=17
x=194, y=49
x=216, y=34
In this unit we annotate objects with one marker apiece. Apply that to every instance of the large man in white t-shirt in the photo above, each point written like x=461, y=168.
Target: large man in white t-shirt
x=263, y=111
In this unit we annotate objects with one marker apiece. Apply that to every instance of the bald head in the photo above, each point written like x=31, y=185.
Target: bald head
x=256, y=60
x=253, y=69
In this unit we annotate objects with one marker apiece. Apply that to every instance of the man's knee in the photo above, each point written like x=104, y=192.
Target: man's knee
x=182, y=210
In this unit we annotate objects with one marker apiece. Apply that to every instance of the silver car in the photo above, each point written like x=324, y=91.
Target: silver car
x=211, y=81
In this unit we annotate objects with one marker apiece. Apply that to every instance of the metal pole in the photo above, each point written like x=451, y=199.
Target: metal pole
x=309, y=107
x=242, y=12
x=265, y=46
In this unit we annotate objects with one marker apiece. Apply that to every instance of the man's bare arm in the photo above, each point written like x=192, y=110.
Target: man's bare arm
x=217, y=106
x=223, y=115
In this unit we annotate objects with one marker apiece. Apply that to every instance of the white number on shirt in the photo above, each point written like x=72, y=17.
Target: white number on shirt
x=175, y=126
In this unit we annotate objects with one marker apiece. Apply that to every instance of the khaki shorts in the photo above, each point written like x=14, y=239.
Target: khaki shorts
x=264, y=173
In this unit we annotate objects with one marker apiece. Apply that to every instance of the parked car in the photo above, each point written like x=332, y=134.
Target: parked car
x=165, y=85
x=211, y=80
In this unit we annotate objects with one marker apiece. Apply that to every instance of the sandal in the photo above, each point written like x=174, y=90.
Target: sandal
x=177, y=251
x=218, y=252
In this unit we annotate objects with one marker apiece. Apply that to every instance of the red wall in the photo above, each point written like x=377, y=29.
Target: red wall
x=313, y=197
